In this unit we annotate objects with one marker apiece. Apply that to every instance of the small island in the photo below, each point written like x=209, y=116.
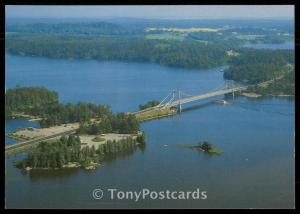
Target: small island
x=71, y=135
x=71, y=152
x=206, y=147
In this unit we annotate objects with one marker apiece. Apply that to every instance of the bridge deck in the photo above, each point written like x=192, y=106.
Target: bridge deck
x=193, y=98
x=172, y=104
x=207, y=95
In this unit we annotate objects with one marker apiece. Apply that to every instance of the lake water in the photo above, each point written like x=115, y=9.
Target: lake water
x=285, y=45
x=256, y=168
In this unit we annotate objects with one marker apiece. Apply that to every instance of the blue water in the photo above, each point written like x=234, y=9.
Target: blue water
x=123, y=85
x=285, y=45
x=256, y=168
x=13, y=125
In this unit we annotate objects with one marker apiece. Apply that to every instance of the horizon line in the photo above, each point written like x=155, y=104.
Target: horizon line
x=147, y=18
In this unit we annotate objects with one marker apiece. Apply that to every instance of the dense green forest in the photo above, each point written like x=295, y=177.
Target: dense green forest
x=187, y=53
x=282, y=86
x=27, y=99
x=68, y=150
x=126, y=40
x=252, y=56
x=269, y=40
x=149, y=104
x=255, y=66
x=119, y=123
x=255, y=26
x=69, y=113
x=43, y=103
x=84, y=29
x=254, y=73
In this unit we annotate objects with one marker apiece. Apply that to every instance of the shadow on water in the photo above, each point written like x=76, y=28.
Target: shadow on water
x=198, y=106
x=110, y=157
x=42, y=174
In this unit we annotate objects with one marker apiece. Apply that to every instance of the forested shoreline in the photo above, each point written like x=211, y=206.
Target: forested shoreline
x=253, y=67
x=68, y=152
x=186, y=54
x=27, y=100
x=43, y=103
x=164, y=43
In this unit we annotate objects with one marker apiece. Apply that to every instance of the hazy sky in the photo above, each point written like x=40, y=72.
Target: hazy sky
x=172, y=12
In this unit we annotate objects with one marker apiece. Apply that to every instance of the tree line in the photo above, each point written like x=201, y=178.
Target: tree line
x=70, y=113
x=283, y=86
x=119, y=123
x=83, y=29
x=186, y=54
x=149, y=104
x=68, y=149
x=255, y=66
x=40, y=102
x=28, y=99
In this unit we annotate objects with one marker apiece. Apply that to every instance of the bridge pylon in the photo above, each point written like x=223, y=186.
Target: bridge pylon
x=230, y=85
x=232, y=89
x=179, y=96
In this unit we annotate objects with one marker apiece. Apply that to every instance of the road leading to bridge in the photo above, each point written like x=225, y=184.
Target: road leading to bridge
x=35, y=141
x=169, y=104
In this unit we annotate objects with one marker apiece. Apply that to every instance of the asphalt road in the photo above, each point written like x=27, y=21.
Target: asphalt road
x=34, y=141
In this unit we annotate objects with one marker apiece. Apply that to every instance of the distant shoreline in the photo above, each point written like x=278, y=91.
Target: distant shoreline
x=24, y=116
x=256, y=95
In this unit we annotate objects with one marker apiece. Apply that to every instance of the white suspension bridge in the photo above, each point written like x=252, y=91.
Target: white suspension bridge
x=178, y=98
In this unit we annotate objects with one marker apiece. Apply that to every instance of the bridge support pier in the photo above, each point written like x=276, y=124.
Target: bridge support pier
x=179, y=96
